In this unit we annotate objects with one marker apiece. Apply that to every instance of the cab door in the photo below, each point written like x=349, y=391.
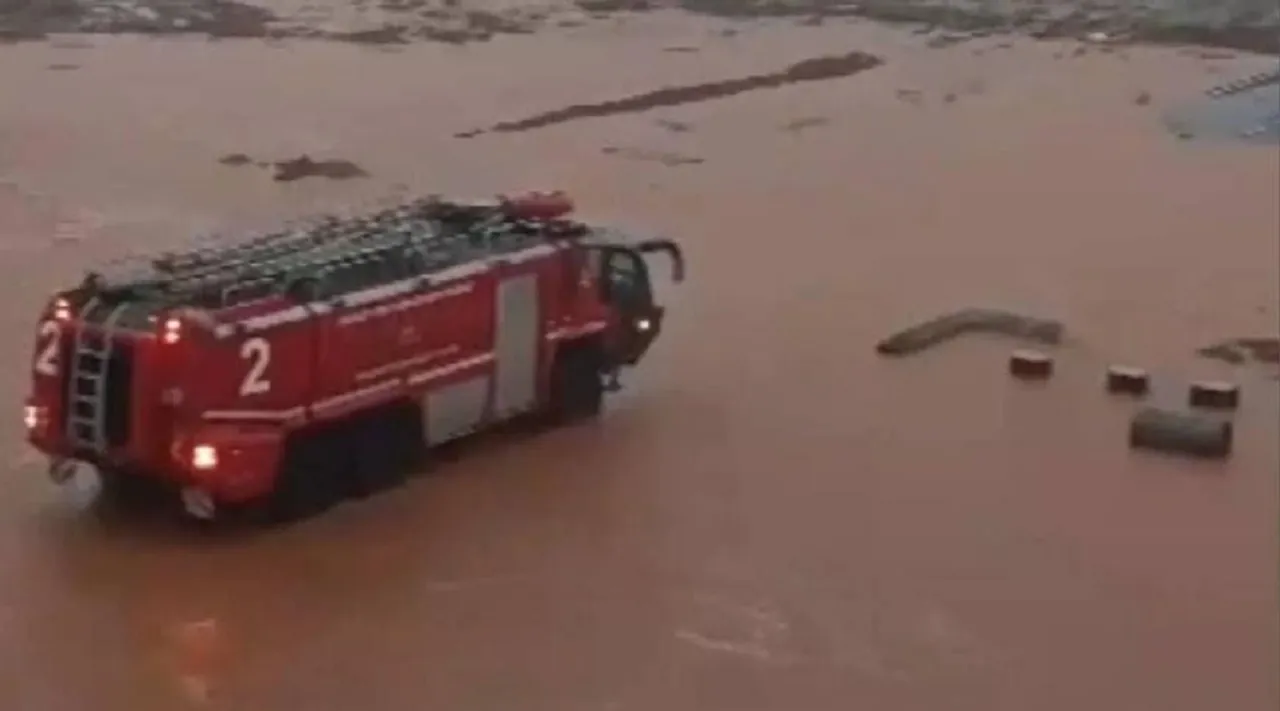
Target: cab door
x=623, y=279
x=625, y=285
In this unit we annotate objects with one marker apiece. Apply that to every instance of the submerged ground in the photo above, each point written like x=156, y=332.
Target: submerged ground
x=771, y=517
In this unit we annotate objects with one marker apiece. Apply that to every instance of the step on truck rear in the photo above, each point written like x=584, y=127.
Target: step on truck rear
x=294, y=369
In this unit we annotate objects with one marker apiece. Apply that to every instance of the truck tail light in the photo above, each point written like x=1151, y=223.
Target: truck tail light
x=204, y=457
x=32, y=416
x=61, y=309
x=171, y=331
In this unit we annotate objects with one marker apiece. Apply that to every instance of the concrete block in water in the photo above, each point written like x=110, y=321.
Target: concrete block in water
x=1126, y=380
x=1215, y=395
x=1030, y=365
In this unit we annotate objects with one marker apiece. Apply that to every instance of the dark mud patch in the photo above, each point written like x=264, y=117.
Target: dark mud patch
x=805, y=123
x=665, y=158
x=930, y=333
x=385, y=35
x=305, y=167
x=809, y=70
x=674, y=126
x=1240, y=351
x=235, y=159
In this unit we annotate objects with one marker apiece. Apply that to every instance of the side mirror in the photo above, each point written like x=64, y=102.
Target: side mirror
x=672, y=251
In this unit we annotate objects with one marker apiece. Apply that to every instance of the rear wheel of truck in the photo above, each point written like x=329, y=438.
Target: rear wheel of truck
x=577, y=390
x=119, y=487
x=310, y=477
x=387, y=445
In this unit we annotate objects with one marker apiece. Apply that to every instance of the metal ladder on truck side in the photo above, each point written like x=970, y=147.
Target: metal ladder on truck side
x=87, y=384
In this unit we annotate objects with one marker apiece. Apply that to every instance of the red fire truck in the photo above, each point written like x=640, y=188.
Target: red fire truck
x=295, y=369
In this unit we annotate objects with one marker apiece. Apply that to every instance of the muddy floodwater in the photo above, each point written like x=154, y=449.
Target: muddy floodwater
x=771, y=516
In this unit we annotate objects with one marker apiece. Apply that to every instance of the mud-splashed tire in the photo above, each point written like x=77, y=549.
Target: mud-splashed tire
x=310, y=477
x=577, y=387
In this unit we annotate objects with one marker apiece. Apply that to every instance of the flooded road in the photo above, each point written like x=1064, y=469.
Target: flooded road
x=770, y=517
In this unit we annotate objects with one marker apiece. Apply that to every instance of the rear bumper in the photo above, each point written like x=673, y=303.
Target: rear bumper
x=231, y=463
x=243, y=468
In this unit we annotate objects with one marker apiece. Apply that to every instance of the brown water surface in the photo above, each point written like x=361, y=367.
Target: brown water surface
x=771, y=517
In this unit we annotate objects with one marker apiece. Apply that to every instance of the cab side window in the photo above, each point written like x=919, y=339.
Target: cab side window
x=626, y=278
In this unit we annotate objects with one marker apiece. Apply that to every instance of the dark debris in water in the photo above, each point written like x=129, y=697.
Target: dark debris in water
x=235, y=159
x=805, y=123
x=809, y=70
x=1239, y=351
x=665, y=158
x=303, y=166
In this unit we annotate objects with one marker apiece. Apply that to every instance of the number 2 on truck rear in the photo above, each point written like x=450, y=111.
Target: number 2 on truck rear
x=297, y=368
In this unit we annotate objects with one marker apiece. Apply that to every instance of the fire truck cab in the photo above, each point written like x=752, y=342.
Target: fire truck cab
x=305, y=366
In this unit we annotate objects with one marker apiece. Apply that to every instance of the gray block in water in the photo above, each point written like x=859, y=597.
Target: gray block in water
x=1181, y=433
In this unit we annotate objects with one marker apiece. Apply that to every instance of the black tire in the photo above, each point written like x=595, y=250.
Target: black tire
x=384, y=451
x=577, y=390
x=310, y=477
x=127, y=489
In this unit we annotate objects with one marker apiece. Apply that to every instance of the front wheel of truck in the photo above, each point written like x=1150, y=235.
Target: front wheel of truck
x=121, y=487
x=577, y=388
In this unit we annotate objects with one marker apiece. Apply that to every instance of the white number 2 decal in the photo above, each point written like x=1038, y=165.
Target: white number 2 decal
x=258, y=352
x=47, y=360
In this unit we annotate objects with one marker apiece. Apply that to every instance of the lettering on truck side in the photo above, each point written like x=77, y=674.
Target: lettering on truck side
x=294, y=314
x=392, y=307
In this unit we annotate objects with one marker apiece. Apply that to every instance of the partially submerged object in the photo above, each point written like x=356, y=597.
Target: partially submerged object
x=1030, y=365
x=943, y=328
x=1238, y=351
x=1214, y=395
x=1175, y=432
x=1127, y=380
